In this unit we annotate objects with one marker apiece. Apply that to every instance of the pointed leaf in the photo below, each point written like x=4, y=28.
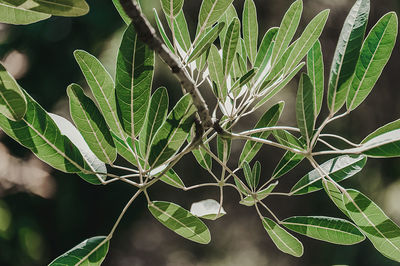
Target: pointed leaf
x=305, y=108
x=16, y=15
x=256, y=172
x=230, y=45
x=121, y=12
x=287, y=139
x=180, y=221
x=211, y=11
x=160, y=28
x=289, y=161
x=207, y=209
x=335, y=195
x=250, y=29
x=248, y=175
x=227, y=18
x=181, y=31
x=214, y=67
x=172, y=7
x=65, y=8
x=260, y=195
x=171, y=178
x=266, y=44
x=315, y=70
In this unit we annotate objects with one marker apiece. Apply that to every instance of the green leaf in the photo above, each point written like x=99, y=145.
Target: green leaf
x=76, y=254
x=172, y=7
x=227, y=18
x=250, y=29
x=134, y=77
x=205, y=42
x=256, y=172
x=207, y=209
x=383, y=142
x=287, y=139
x=250, y=200
x=333, y=230
x=125, y=149
x=210, y=12
x=230, y=45
x=16, y=15
x=315, y=70
x=180, y=221
x=202, y=157
x=161, y=30
x=173, y=132
x=347, y=53
x=65, y=8
x=374, y=55
x=305, y=108
x=214, y=67
x=171, y=178
x=289, y=161
x=12, y=98
x=156, y=115
x=374, y=223
x=121, y=12
x=38, y=132
x=283, y=240
x=335, y=195
x=92, y=163
x=269, y=119
x=248, y=175
x=287, y=29
x=266, y=44
x=307, y=39
x=223, y=149
x=339, y=169
x=181, y=31
x=91, y=124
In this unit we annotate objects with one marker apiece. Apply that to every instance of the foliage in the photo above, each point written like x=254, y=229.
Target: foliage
x=127, y=119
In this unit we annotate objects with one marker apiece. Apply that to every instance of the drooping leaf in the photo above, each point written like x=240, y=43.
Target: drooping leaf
x=65, y=8
x=161, y=29
x=283, y=240
x=305, y=108
x=171, y=178
x=173, y=132
x=250, y=29
x=347, y=53
x=16, y=15
x=339, y=169
x=374, y=55
x=250, y=200
x=121, y=12
x=287, y=29
x=269, y=119
x=12, y=99
x=91, y=124
x=315, y=70
x=335, y=195
x=210, y=12
x=207, y=209
x=79, y=252
x=134, y=77
x=374, y=223
x=180, y=221
x=230, y=45
x=333, y=230
x=171, y=7
x=216, y=74
x=289, y=161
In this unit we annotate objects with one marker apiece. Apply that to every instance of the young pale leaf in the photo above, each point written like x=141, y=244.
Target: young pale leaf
x=93, y=164
x=383, y=142
x=180, y=221
x=171, y=178
x=91, y=124
x=283, y=240
x=172, y=7
x=121, y=12
x=287, y=29
x=230, y=45
x=269, y=119
x=289, y=161
x=260, y=195
x=161, y=30
x=262, y=57
x=65, y=8
x=216, y=74
x=173, y=132
x=307, y=39
x=210, y=12
x=256, y=172
x=205, y=42
x=12, y=99
x=315, y=70
x=339, y=169
x=207, y=209
x=335, y=195
x=250, y=29
x=181, y=31
x=374, y=223
x=347, y=53
x=38, y=132
x=78, y=253
x=305, y=108
x=374, y=55
x=156, y=115
x=227, y=18
x=332, y=230
x=16, y=15
x=134, y=77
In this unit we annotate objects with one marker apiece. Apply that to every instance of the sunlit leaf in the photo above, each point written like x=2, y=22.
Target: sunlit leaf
x=210, y=12
x=207, y=209
x=335, y=195
x=171, y=7
x=171, y=178
x=230, y=45
x=315, y=70
x=250, y=200
x=216, y=74
x=16, y=15
x=161, y=29
x=289, y=161
x=305, y=107
x=250, y=29
x=121, y=12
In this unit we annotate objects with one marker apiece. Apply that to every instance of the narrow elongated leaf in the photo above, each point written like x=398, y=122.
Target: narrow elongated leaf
x=375, y=224
x=283, y=240
x=156, y=115
x=207, y=209
x=339, y=169
x=227, y=18
x=160, y=28
x=171, y=178
x=126, y=150
x=287, y=29
x=91, y=124
x=224, y=149
x=215, y=66
x=12, y=98
x=173, y=132
x=315, y=70
x=93, y=164
x=79, y=252
x=211, y=11
x=305, y=108
x=250, y=29
x=259, y=195
x=205, y=42
x=121, y=12
x=180, y=221
x=333, y=230
x=347, y=53
x=266, y=44
x=287, y=139
x=16, y=15
x=269, y=119
x=256, y=172
x=307, y=39
x=202, y=157
x=230, y=45
x=383, y=142
x=65, y=8
x=172, y=7
x=289, y=161
x=134, y=77
x=374, y=55
x=335, y=195
x=181, y=31
x=248, y=175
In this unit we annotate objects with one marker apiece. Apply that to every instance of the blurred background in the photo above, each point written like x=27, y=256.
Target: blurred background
x=44, y=213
